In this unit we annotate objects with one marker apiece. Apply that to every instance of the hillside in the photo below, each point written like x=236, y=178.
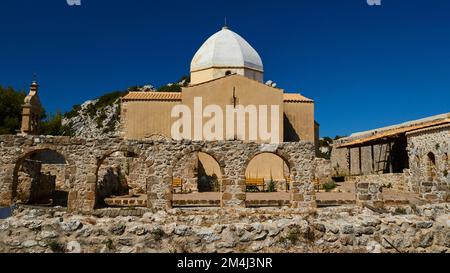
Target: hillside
x=91, y=119
x=100, y=117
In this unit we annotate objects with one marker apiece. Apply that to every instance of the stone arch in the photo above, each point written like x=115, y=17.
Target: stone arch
x=31, y=163
x=300, y=162
x=112, y=173
x=201, y=164
x=270, y=166
x=284, y=156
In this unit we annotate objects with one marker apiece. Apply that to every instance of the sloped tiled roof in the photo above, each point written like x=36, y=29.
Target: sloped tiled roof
x=176, y=96
x=160, y=96
x=394, y=131
x=295, y=98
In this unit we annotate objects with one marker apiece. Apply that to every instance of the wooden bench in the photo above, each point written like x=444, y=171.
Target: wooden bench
x=255, y=182
x=288, y=183
x=177, y=183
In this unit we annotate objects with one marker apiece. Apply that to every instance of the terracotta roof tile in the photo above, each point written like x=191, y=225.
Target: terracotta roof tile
x=295, y=98
x=174, y=96
x=162, y=96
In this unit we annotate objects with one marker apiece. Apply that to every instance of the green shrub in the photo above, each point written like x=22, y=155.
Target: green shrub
x=101, y=118
x=90, y=110
x=329, y=186
x=170, y=88
x=109, y=99
x=52, y=126
x=271, y=186
x=10, y=110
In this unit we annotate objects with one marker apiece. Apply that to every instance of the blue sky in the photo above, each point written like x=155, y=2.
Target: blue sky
x=365, y=66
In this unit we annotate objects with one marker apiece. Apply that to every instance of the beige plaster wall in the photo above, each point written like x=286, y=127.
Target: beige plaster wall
x=247, y=92
x=267, y=166
x=143, y=119
x=301, y=118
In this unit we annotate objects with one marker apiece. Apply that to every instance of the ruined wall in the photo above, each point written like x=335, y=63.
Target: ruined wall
x=61, y=172
x=187, y=169
x=338, y=229
x=33, y=186
x=157, y=162
x=430, y=179
x=340, y=162
x=323, y=171
x=396, y=181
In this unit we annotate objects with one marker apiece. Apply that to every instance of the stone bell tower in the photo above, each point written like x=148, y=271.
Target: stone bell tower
x=31, y=111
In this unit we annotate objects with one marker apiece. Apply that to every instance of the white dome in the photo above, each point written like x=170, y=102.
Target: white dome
x=226, y=49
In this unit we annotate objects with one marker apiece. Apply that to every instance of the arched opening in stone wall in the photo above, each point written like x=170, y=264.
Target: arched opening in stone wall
x=431, y=167
x=41, y=177
x=121, y=181
x=267, y=179
x=196, y=180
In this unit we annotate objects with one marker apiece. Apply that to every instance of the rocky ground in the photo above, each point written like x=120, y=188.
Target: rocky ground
x=340, y=229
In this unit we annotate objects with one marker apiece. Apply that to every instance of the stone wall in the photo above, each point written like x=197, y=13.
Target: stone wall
x=157, y=161
x=187, y=169
x=61, y=172
x=323, y=170
x=339, y=162
x=396, y=181
x=34, y=187
x=368, y=190
x=430, y=177
x=340, y=229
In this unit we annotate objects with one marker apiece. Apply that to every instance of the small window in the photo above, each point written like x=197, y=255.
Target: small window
x=228, y=73
x=431, y=172
x=432, y=158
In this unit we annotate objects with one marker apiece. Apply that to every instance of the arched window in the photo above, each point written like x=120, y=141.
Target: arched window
x=266, y=169
x=431, y=172
x=198, y=172
x=39, y=178
x=445, y=164
x=228, y=73
x=114, y=185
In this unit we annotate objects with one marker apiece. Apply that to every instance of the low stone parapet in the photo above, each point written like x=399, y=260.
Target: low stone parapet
x=265, y=230
x=368, y=192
